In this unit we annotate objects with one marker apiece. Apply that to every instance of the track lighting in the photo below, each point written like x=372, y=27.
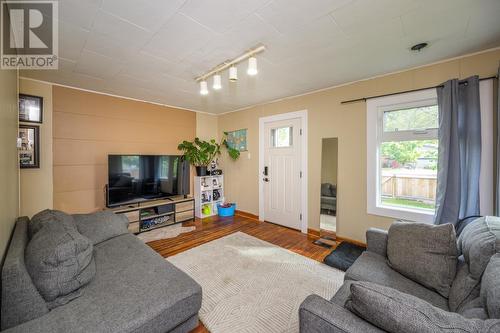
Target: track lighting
x=203, y=88
x=217, y=85
x=233, y=71
x=233, y=74
x=252, y=66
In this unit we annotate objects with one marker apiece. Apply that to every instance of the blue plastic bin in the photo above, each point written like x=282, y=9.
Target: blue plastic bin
x=224, y=212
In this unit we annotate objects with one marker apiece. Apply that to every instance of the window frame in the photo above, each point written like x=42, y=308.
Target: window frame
x=375, y=136
x=274, y=137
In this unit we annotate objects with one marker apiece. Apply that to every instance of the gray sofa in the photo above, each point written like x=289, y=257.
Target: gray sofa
x=134, y=290
x=477, y=253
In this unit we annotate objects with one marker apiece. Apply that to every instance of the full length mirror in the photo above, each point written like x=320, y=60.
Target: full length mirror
x=329, y=164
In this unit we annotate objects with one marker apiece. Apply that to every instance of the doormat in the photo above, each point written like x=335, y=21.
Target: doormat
x=344, y=256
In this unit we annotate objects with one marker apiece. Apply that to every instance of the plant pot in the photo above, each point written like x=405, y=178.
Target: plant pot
x=201, y=171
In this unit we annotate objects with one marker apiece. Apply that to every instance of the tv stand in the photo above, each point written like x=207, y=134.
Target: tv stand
x=149, y=215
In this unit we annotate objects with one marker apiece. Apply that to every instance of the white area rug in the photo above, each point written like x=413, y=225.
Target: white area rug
x=250, y=285
x=165, y=232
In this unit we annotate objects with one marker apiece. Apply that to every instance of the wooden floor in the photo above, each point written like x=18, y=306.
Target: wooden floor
x=213, y=228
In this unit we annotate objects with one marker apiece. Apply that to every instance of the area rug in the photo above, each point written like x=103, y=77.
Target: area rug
x=165, y=232
x=250, y=285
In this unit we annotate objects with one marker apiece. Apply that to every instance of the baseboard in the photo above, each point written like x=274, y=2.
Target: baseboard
x=246, y=214
x=313, y=232
x=349, y=240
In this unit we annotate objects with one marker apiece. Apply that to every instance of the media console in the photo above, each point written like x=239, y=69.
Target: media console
x=149, y=215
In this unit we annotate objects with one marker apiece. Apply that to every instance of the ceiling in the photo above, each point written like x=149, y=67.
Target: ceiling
x=153, y=49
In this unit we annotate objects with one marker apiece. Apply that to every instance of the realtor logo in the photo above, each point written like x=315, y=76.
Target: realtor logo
x=29, y=35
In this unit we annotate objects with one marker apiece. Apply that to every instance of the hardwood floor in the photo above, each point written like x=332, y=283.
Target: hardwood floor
x=213, y=228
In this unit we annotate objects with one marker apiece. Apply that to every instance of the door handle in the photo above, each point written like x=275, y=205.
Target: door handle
x=266, y=171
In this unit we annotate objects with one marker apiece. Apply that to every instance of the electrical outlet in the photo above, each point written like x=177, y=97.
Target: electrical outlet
x=249, y=156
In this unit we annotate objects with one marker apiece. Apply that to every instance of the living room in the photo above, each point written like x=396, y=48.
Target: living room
x=264, y=166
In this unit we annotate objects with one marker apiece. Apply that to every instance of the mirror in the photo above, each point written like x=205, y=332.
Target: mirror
x=329, y=190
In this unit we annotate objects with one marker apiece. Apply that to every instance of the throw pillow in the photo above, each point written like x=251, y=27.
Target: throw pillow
x=46, y=216
x=490, y=287
x=424, y=253
x=101, y=226
x=478, y=242
x=395, y=312
x=60, y=261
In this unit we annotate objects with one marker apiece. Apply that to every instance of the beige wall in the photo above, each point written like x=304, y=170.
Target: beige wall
x=329, y=151
x=36, y=186
x=9, y=190
x=89, y=126
x=206, y=126
x=328, y=118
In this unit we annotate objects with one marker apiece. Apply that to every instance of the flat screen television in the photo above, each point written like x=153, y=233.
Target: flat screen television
x=137, y=178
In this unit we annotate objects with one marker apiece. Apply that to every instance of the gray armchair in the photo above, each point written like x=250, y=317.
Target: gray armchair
x=318, y=315
x=478, y=267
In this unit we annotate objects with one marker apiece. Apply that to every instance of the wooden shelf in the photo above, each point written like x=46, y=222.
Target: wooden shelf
x=182, y=209
x=164, y=224
x=148, y=217
x=200, y=190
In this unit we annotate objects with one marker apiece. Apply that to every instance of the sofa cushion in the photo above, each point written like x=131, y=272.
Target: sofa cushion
x=20, y=301
x=39, y=220
x=424, y=253
x=464, y=288
x=478, y=242
x=101, y=226
x=396, y=312
x=59, y=260
x=134, y=290
x=374, y=268
x=343, y=293
x=490, y=287
x=474, y=309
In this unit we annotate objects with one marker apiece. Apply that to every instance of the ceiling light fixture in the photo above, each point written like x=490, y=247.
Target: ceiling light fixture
x=217, y=85
x=233, y=71
x=203, y=88
x=233, y=74
x=252, y=66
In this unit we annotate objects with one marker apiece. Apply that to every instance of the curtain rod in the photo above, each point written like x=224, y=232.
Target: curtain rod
x=364, y=99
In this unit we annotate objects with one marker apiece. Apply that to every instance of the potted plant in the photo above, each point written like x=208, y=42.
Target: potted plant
x=200, y=153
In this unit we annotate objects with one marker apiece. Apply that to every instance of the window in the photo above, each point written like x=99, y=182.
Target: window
x=402, y=143
x=282, y=137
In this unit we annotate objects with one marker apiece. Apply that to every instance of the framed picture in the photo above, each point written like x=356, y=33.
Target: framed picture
x=30, y=108
x=237, y=139
x=29, y=146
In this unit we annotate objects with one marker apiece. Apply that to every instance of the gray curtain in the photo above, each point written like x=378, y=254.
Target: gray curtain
x=497, y=196
x=459, y=158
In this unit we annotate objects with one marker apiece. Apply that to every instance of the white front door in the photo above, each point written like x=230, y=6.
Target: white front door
x=281, y=174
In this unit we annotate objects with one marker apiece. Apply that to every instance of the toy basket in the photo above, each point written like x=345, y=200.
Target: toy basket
x=226, y=211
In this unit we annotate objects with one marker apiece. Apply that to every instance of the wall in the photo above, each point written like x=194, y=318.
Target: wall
x=329, y=152
x=36, y=186
x=89, y=126
x=206, y=126
x=328, y=118
x=9, y=190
